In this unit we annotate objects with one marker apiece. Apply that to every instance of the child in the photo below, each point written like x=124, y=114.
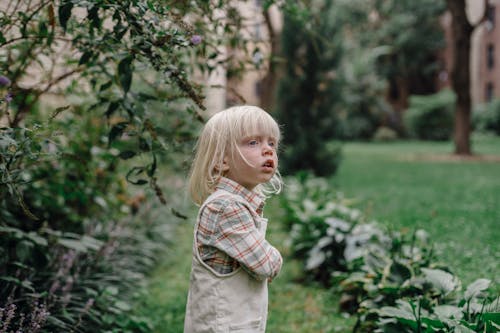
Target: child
x=232, y=261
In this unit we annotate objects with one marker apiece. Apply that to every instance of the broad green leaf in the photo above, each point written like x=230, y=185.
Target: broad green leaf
x=37, y=239
x=441, y=280
x=492, y=317
x=463, y=329
x=397, y=273
x=448, y=311
x=404, y=311
x=476, y=287
x=493, y=306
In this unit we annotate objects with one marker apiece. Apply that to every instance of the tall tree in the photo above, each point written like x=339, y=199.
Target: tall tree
x=460, y=75
x=412, y=32
x=309, y=90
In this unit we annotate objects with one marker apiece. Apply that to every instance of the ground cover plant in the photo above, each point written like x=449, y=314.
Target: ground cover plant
x=376, y=269
x=378, y=265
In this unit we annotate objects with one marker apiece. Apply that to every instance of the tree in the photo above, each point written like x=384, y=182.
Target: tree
x=309, y=89
x=460, y=75
x=411, y=31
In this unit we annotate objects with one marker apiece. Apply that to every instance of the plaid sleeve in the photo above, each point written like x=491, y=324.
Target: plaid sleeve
x=237, y=235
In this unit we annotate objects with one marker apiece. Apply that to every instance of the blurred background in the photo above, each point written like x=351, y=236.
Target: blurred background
x=390, y=112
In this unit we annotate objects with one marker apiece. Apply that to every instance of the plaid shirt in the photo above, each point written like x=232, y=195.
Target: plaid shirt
x=231, y=233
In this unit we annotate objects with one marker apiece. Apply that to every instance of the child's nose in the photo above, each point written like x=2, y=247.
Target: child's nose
x=268, y=149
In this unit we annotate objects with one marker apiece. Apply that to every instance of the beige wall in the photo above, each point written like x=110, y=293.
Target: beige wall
x=221, y=92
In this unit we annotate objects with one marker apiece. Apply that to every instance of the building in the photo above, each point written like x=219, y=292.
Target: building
x=485, y=51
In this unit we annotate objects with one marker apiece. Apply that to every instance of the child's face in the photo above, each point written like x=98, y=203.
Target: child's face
x=255, y=163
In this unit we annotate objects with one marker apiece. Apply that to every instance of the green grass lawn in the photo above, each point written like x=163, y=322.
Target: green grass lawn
x=404, y=185
x=400, y=184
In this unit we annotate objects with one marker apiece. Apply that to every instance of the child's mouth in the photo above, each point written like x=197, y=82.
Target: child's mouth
x=269, y=164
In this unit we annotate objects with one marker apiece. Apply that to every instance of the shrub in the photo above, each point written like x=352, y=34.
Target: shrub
x=430, y=117
x=486, y=117
x=323, y=160
x=385, y=134
x=309, y=89
x=73, y=252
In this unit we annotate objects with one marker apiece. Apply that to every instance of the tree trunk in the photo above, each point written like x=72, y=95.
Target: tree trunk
x=460, y=74
x=268, y=82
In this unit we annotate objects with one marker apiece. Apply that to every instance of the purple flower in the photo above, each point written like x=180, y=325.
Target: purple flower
x=5, y=81
x=8, y=97
x=196, y=39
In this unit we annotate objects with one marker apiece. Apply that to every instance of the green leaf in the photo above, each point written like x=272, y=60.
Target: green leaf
x=93, y=16
x=448, y=311
x=116, y=131
x=24, y=250
x=37, y=239
x=123, y=306
x=106, y=85
x=443, y=281
x=494, y=306
x=135, y=171
x=125, y=155
x=475, y=288
x=462, y=329
x=152, y=169
x=76, y=245
x=398, y=273
x=85, y=57
x=65, y=13
x=113, y=106
x=91, y=242
x=125, y=73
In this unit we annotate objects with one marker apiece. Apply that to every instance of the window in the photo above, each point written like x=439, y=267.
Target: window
x=489, y=92
x=490, y=56
x=490, y=15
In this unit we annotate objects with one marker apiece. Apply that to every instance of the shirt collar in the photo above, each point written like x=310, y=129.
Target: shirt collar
x=255, y=199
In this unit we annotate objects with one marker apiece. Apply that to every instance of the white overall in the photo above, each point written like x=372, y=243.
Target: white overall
x=220, y=303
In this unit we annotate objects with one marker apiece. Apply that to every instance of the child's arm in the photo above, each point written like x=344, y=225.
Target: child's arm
x=238, y=237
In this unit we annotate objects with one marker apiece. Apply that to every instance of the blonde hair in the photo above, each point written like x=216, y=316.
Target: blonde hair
x=218, y=138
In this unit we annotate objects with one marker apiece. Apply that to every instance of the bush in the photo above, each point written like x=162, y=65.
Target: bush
x=74, y=245
x=321, y=158
x=309, y=90
x=486, y=117
x=430, y=117
x=385, y=134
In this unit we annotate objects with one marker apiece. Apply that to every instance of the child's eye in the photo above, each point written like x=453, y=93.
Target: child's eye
x=253, y=142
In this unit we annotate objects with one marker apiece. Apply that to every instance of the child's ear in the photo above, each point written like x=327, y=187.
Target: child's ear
x=224, y=166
